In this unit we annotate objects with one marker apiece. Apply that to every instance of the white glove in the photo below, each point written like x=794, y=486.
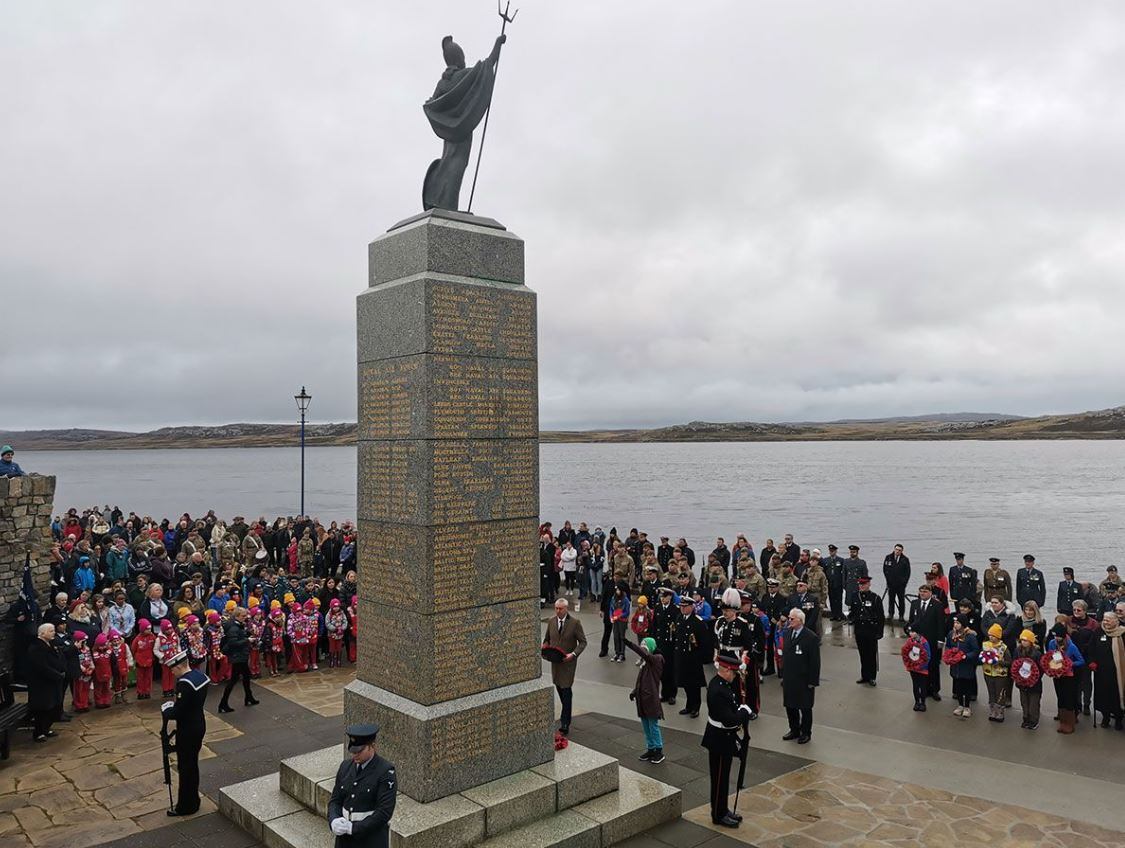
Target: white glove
x=746, y=707
x=742, y=668
x=167, y=705
x=341, y=826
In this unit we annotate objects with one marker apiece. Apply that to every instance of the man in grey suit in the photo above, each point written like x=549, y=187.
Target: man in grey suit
x=565, y=633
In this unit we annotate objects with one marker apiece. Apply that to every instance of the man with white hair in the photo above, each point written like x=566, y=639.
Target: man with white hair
x=46, y=680
x=800, y=660
x=566, y=636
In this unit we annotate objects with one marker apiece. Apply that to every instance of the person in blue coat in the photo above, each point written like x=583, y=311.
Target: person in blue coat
x=1066, y=685
x=8, y=468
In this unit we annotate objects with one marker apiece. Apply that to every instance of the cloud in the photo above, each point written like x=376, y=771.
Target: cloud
x=733, y=211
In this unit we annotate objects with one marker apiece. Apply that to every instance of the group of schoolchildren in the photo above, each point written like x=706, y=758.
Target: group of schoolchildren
x=289, y=638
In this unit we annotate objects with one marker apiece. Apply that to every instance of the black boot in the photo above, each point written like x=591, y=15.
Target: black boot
x=224, y=707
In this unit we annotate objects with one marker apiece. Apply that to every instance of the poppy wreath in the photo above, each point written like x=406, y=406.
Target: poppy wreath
x=618, y=615
x=1057, y=664
x=952, y=656
x=1025, y=672
x=560, y=741
x=989, y=656
x=916, y=657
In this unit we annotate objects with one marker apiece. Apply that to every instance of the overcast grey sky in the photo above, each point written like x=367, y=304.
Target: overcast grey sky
x=733, y=210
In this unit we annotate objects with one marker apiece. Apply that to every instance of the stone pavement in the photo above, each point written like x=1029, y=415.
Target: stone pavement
x=872, y=765
x=99, y=779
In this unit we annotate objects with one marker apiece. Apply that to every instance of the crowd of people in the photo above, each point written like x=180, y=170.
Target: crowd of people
x=243, y=599
x=985, y=622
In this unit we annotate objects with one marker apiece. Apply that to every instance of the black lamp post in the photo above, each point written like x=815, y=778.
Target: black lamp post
x=303, y=400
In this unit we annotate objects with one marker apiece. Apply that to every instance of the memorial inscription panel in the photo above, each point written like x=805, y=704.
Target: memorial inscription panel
x=447, y=567
x=448, y=397
x=481, y=320
x=435, y=658
x=446, y=481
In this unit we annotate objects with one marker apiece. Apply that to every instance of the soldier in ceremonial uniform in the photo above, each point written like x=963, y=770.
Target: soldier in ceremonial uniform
x=725, y=715
x=867, y=620
x=191, y=726
x=741, y=635
x=997, y=581
x=854, y=568
x=363, y=799
x=692, y=651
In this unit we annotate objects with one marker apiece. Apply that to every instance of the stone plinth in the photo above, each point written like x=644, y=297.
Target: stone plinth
x=25, y=520
x=448, y=502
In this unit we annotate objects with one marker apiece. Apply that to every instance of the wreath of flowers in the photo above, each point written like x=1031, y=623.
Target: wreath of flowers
x=919, y=664
x=989, y=656
x=1025, y=672
x=952, y=656
x=1057, y=664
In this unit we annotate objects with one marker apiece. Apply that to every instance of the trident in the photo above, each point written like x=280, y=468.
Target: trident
x=505, y=20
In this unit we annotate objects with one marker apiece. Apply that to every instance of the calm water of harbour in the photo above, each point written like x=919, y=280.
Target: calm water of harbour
x=1062, y=501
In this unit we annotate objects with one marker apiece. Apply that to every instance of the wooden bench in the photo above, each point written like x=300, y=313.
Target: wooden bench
x=12, y=715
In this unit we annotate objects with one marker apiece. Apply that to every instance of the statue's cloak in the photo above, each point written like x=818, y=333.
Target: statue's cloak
x=460, y=101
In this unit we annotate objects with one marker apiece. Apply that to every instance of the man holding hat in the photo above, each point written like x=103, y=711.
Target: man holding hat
x=8, y=468
x=867, y=624
x=1030, y=585
x=363, y=798
x=725, y=715
x=191, y=726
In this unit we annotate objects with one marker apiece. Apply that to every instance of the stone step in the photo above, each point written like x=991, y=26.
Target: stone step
x=253, y=803
x=565, y=829
x=639, y=803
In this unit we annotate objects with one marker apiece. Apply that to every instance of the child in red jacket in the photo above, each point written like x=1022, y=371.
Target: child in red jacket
x=103, y=672
x=122, y=660
x=255, y=629
x=80, y=689
x=274, y=641
x=218, y=666
x=143, y=655
x=335, y=624
x=167, y=645
x=298, y=639
x=312, y=625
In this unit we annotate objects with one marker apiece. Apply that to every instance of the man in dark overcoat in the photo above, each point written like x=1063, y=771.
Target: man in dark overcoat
x=801, y=660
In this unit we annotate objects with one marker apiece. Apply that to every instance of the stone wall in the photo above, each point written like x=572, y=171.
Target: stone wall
x=25, y=518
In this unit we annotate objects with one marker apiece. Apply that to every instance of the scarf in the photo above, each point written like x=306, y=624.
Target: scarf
x=1118, y=658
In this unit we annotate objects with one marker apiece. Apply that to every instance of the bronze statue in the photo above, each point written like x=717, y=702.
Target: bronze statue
x=463, y=96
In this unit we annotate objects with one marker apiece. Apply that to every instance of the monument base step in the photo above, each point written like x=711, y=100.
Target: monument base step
x=583, y=798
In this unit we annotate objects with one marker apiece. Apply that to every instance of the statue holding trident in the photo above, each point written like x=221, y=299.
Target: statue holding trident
x=462, y=98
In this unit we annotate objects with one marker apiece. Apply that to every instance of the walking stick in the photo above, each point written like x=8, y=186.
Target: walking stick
x=505, y=20
x=166, y=741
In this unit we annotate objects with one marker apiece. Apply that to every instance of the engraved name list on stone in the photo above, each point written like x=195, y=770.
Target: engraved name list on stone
x=482, y=321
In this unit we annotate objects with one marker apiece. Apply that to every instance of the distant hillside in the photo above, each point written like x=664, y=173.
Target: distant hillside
x=1102, y=424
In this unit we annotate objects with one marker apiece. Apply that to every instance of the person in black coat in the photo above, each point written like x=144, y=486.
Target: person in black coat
x=692, y=643
x=665, y=622
x=69, y=652
x=725, y=715
x=896, y=571
x=191, y=726
x=364, y=794
x=868, y=622
x=997, y=613
x=775, y=606
x=808, y=603
x=1070, y=591
x=46, y=680
x=236, y=646
x=800, y=659
x=927, y=619
x=1030, y=584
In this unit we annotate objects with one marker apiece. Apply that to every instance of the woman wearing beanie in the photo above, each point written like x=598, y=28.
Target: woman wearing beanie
x=1060, y=662
x=995, y=658
x=646, y=694
x=961, y=652
x=1028, y=678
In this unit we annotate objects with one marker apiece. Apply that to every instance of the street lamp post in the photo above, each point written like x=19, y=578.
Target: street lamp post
x=303, y=400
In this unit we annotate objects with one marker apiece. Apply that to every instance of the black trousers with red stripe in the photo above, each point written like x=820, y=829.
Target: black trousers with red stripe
x=720, y=783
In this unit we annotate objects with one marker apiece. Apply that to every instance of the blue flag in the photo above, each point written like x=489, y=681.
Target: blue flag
x=27, y=593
